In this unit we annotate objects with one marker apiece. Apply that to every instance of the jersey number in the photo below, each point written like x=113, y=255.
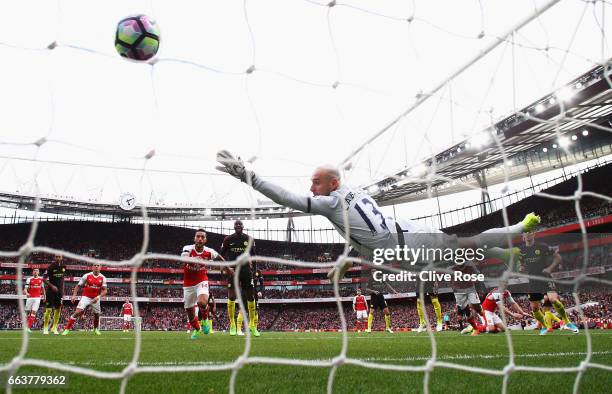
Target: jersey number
x=368, y=214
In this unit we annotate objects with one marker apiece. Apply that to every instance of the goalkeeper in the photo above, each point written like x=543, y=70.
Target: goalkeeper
x=368, y=229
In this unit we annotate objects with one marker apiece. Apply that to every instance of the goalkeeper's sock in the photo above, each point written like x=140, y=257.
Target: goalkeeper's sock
x=56, y=318
x=437, y=309
x=46, y=319
x=239, y=321
x=251, y=307
x=71, y=322
x=420, y=312
x=539, y=316
x=231, y=310
x=561, y=310
x=370, y=321
x=387, y=322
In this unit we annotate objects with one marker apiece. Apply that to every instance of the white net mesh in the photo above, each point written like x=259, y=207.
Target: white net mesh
x=278, y=82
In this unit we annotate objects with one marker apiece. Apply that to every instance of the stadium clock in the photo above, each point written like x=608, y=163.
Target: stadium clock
x=127, y=201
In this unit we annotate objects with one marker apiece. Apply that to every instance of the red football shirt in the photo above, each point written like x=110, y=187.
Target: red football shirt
x=92, y=284
x=359, y=303
x=491, y=300
x=196, y=273
x=34, y=287
x=127, y=308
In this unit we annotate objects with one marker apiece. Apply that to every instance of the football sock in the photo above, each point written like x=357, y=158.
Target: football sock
x=387, y=322
x=96, y=321
x=56, y=318
x=30, y=321
x=71, y=322
x=561, y=310
x=420, y=312
x=195, y=324
x=251, y=307
x=555, y=318
x=231, y=309
x=370, y=320
x=239, y=321
x=256, y=318
x=46, y=318
x=548, y=319
x=437, y=309
x=539, y=317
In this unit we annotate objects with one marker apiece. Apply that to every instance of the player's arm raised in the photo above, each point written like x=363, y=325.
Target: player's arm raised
x=321, y=205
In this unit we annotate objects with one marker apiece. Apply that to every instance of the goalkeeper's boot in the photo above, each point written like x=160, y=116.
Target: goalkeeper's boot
x=97, y=331
x=254, y=332
x=232, y=331
x=45, y=331
x=240, y=333
x=572, y=327
x=205, y=326
x=530, y=222
x=467, y=329
x=544, y=331
x=195, y=334
x=65, y=332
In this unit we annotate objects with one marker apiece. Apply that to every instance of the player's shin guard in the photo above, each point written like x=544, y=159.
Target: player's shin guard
x=420, y=312
x=370, y=320
x=251, y=307
x=46, y=319
x=56, y=318
x=437, y=309
x=231, y=310
x=561, y=310
x=387, y=322
x=539, y=316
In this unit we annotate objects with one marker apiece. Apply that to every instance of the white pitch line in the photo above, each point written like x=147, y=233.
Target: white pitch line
x=372, y=359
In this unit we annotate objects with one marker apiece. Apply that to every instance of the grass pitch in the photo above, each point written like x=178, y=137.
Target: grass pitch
x=113, y=350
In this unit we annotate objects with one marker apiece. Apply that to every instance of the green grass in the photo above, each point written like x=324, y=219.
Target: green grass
x=113, y=350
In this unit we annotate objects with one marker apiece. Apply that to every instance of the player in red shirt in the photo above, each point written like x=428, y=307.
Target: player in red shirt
x=34, y=289
x=127, y=311
x=360, y=307
x=498, y=299
x=195, y=282
x=94, y=288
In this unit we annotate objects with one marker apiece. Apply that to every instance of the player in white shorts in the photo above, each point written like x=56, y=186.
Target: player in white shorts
x=34, y=290
x=360, y=307
x=94, y=288
x=496, y=299
x=368, y=228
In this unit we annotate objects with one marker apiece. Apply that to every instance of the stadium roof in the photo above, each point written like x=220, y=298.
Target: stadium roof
x=533, y=134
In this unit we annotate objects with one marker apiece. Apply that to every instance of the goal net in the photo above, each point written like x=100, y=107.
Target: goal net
x=392, y=92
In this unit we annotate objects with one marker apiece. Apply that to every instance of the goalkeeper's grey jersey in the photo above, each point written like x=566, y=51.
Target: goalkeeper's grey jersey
x=368, y=227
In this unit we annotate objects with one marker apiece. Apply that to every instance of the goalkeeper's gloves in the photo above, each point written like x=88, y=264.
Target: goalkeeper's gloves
x=530, y=222
x=234, y=166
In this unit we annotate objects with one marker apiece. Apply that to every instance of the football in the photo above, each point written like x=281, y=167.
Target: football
x=137, y=37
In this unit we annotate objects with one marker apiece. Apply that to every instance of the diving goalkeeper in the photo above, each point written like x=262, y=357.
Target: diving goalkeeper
x=368, y=229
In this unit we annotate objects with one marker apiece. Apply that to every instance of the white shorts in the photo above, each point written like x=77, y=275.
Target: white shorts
x=127, y=317
x=492, y=318
x=86, y=301
x=32, y=304
x=362, y=315
x=465, y=299
x=191, y=293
